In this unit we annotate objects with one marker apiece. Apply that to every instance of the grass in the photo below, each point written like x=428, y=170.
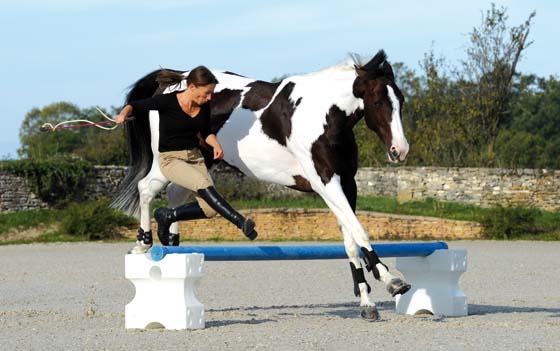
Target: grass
x=520, y=223
x=428, y=207
x=27, y=219
x=499, y=222
x=78, y=222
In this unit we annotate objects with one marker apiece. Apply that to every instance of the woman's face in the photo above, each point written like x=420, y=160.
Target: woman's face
x=202, y=94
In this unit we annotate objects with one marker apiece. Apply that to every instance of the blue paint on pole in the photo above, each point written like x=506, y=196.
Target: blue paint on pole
x=294, y=252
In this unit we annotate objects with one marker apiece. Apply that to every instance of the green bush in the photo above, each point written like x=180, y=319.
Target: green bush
x=511, y=223
x=94, y=220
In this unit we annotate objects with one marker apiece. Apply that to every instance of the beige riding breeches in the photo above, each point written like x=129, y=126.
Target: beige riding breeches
x=187, y=169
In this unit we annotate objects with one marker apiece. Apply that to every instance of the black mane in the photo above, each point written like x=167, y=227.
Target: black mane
x=377, y=66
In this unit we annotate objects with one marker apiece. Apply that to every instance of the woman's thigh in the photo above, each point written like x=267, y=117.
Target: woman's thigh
x=186, y=169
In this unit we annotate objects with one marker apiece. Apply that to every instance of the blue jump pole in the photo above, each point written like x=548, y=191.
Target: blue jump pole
x=294, y=252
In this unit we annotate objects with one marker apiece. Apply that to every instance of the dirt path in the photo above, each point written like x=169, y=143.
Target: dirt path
x=72, y=297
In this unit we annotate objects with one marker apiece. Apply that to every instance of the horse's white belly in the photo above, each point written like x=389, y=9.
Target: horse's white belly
x=255, y=154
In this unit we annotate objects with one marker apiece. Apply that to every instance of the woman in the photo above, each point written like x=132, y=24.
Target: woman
x=183, y=116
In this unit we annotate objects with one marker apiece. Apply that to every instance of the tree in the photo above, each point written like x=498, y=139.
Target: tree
x=491, y=65
x=36, y=144
x=453, y=115
x=532, y=138
x=103, y=147
x=90, y=144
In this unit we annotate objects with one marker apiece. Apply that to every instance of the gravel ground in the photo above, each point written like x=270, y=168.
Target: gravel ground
x=72, y=297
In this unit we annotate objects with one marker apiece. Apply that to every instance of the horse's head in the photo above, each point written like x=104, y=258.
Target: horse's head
x=375, y=85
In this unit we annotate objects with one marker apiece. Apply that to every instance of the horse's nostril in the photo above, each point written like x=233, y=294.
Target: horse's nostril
x=395, y=153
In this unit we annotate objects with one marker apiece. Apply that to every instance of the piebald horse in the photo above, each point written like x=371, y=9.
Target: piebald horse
x=296, y=132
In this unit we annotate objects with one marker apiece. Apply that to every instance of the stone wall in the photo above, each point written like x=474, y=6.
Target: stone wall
x=478, y=186
x=105, y=182
x=16, y=194
x=320, y=224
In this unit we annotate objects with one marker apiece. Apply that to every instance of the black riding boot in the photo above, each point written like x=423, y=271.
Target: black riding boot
x=166, y=216
x=220, y=205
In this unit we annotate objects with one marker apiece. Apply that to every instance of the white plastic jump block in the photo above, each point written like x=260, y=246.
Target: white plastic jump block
x=164, y=292
x=435, y=283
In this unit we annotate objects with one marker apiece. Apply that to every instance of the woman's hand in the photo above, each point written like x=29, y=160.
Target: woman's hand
x=218, y=152
x=213, y=141
x=120, y=118
x=123, y=114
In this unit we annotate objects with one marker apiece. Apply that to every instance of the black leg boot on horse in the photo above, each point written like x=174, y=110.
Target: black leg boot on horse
x=166, y=216
x=220, y=205
x=144, y=242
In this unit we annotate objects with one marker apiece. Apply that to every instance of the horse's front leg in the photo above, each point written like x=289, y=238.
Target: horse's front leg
x=368, y=309
x=330, y=189
x=334, y=197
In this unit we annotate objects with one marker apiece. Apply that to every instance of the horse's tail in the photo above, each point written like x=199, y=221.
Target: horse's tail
x=139, y=148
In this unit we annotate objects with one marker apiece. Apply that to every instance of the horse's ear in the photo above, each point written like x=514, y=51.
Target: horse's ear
x=360, y=72
x=388, y=70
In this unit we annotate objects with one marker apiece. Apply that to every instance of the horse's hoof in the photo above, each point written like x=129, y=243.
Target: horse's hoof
x=397, y=286
x=140, y=248
x=369, y=313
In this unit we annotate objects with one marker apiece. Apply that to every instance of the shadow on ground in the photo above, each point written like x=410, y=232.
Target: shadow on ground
x=482, y=310
x=352, y=310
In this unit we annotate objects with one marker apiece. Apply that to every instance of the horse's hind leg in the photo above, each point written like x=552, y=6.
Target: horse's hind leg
x=148, y=188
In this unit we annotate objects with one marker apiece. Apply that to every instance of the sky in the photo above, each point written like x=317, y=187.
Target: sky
x=88, y=52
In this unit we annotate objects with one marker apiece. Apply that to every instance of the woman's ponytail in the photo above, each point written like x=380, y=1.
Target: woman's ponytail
x=166, y=78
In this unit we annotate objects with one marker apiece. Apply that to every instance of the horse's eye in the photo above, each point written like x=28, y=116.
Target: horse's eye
x=378, y=103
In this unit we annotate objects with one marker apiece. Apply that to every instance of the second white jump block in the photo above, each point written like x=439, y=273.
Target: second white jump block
x=435, y=283
x=164, y=292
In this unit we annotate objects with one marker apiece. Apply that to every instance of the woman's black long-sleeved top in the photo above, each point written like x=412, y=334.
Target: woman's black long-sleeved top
x=177, y=130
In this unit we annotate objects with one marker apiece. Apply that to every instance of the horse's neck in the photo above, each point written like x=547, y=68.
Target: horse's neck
x=329, y=87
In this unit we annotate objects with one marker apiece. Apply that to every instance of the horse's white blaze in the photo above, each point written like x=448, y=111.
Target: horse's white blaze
x=397, y=131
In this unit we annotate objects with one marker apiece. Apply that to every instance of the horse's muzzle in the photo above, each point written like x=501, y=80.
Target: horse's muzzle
x=395, y=156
